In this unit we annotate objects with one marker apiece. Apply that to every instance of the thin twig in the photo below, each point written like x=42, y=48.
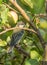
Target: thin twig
x=41, y=15
x=27, y=29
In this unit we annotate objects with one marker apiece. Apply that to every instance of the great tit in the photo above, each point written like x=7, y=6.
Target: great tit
x=16, y=36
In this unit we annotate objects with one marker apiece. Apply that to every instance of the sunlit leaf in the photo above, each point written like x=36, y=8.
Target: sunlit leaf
x=34, y=54
x=3, y=13
x=43, y=24
x=3, y=43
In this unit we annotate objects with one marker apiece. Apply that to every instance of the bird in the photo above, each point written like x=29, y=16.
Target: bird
x=16, y=36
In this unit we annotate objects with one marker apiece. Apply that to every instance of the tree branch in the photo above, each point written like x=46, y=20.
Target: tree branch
x=41, y=15
x=14, y=28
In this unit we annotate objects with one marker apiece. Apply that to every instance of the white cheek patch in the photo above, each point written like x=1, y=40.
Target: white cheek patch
x=21, y=26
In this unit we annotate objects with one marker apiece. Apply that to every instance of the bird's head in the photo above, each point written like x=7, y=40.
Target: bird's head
x=20, y=24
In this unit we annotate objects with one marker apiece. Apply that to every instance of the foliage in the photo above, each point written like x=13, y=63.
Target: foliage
x=30, y=42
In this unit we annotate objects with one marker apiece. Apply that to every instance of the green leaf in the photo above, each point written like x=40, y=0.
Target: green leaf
x=0, y=1
x=31, y=62
x=28, y=2
x=35, y=55
x=3, y=13
x=6, y=1
x=38, y=8
x=33, y=7
x=3, y=43
x=43, y=24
